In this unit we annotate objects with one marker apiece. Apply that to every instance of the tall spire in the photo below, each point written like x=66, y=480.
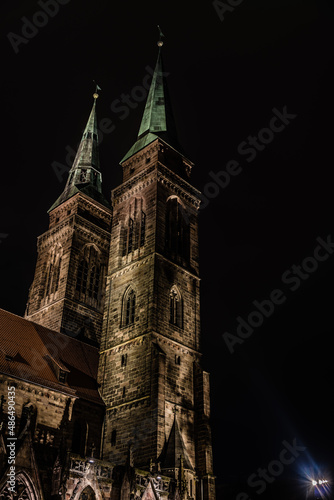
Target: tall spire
x=157, y=120
x=85, y=175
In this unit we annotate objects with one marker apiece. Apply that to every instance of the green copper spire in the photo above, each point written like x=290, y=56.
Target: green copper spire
x=85, y=175
x=154, y=118
x=158, y=120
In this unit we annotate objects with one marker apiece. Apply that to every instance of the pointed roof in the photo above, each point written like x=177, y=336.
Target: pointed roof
x=157, y=120
x=175, y=449
x=84, y=175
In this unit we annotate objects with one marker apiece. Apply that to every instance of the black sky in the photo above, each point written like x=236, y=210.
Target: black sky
x=225, y=79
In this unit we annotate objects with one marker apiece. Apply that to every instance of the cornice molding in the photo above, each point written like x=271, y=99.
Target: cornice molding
x=181, y=187
x=130, y=267
x=153, y=147
x=159, y=173
x=130, y=187
x=66, y=229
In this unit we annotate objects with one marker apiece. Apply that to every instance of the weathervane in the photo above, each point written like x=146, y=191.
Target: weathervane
x=96, y=95
x=161, y=35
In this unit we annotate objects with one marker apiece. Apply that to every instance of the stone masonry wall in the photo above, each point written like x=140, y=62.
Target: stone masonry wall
x=76, y=223
x=147, y=367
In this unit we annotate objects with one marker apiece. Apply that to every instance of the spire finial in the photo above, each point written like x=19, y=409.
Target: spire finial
x=96, y=95
x=161, y=35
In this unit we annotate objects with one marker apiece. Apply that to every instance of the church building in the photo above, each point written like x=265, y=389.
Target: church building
x=103, y=394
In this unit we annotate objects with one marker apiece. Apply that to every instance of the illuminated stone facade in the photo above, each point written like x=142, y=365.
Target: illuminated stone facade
x=122, y=410
x=79, y=229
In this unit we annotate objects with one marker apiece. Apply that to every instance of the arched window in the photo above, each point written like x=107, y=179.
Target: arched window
x=94, y=280
x=130, y=237
x=53, y=271
x=49, y=279
x=177, y=229
x=82, y=276
x=56, y=274
x=89, y=274
x=24, y=488
x=142, y=229
x=133, y=233
x=129, y=307
x=87, y=494
x=175, y=307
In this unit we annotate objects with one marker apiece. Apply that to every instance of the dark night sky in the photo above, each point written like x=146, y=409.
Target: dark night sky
x=225, y=79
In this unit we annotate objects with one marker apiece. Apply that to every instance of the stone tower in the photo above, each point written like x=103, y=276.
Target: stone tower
x=67, y=293
x=155, y=390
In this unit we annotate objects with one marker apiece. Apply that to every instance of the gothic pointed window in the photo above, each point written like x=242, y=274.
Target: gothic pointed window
x=88, y=281
x=175, y=307
x=87, y=494
x=56, y=273
x=133, y=233
x=82, y=276
x=129, y=307
x=177, y=229
x=130, y=239
x=136, y=231
x=94, y=280
x=49, y=279
x=53, y=271
x=142, y=228
x=91, y=281
x=24, y=488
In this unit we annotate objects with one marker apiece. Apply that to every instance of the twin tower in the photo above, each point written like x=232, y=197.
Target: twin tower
x=125, y=277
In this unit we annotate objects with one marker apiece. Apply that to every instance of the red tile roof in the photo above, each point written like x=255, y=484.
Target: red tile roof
x=29, y=351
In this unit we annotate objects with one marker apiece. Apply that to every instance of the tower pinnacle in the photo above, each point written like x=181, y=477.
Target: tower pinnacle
x=85, y=175
x=161, y=35
x=158, y=119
